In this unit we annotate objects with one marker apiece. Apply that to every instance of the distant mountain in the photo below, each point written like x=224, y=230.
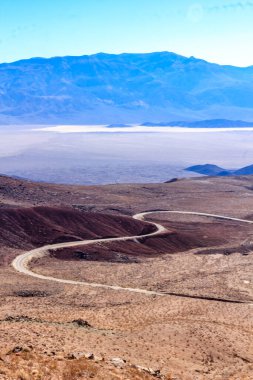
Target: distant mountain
x=207, y=169
x=123, y=89
x=214, y=123
x=247, y=170
x=118, y=126
x=214, y=170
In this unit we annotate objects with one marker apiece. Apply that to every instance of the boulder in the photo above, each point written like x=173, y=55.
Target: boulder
x=81, y=322
x=118, y=362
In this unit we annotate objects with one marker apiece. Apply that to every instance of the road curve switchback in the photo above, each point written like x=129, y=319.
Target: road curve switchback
x=21, y=262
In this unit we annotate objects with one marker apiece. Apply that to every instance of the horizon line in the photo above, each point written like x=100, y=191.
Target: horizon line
x=124, y=53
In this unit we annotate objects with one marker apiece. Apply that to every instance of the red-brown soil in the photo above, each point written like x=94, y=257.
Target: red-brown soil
x=180, y=238
x=37, y=226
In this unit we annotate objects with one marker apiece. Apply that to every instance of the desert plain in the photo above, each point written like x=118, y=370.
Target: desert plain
x=199, y=325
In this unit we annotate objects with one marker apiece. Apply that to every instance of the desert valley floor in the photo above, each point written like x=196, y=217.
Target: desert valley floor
x=201, y=328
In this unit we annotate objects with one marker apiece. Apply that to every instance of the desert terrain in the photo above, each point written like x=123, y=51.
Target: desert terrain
x=197, y=323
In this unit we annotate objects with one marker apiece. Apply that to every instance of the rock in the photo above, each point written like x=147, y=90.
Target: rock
x=118, y=362
x=152, y=372
x=15, y=350
x=155, y=372
x=98, y=358
x=75, y=355
x=140, y=368
x=70, y=356
x=21, y=318
x=81, y=323
x=89, y=355
x=86, y=355
x=31, y=293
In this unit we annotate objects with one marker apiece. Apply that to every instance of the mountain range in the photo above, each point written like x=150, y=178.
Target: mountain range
x=213, y=123
x=124, y=88
x=214, y=170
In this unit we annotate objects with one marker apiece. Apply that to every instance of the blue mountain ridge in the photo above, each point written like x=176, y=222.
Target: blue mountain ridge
x=214, y=170
x=121, y=89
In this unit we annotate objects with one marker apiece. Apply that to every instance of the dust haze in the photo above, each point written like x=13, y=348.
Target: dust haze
x=100, y=158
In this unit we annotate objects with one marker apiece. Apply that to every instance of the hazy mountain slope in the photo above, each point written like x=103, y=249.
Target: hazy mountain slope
x=247, y=170
x=213, y=123
x=105, y=88
x=206, y=169
x=214, y=170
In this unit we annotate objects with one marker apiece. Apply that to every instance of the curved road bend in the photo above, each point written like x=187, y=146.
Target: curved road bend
x=21, y=262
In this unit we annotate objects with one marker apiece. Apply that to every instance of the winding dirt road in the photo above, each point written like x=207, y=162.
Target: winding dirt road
x=21, y=262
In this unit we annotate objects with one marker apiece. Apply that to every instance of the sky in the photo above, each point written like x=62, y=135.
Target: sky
x=218, y=31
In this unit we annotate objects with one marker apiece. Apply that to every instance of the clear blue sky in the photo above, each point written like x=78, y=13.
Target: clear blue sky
x=216, y=30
